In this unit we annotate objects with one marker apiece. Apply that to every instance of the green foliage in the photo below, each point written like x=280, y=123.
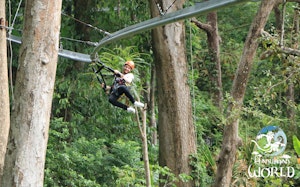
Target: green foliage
x=207, y=120
x=167, y=177
x=234, y=23
x=208, y=157
x=86, y=162
x=129, y=176
x=246, y=152
x=296, y=143
x=204, y=168
x=65, y=166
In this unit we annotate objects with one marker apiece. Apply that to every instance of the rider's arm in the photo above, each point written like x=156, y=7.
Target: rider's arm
x=127, y=77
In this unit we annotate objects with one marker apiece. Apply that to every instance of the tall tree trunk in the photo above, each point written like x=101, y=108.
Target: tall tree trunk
x=82, y=11
x=176, y=130
x=4, y=93
x=231, y=140
x=25, y=158
x=213, y=57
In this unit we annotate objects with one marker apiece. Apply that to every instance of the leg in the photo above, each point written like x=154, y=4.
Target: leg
x=124, y=90
x=114, y=101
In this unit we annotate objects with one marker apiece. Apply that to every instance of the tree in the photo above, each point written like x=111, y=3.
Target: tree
x=25, y=158
x=176, y=130
x=4, y=94
x=231, y=140
x=213, y=57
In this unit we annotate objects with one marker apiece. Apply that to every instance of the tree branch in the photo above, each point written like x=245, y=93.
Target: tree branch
x=270, y=52
x=200, y=25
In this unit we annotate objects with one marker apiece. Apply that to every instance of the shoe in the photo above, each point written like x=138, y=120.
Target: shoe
x=131, y=110
x=138, y=104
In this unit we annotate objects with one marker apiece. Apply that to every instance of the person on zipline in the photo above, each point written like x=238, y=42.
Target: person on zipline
x=120, y=86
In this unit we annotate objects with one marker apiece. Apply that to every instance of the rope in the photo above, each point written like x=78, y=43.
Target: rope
x=170, y=6
x=9, y=8
x=14, y=20
x=11, y=49
x=159, y=8
x=87, y=24
x=161, y=12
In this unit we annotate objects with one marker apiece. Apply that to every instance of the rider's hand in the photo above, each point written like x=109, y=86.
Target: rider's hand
x=117, y=72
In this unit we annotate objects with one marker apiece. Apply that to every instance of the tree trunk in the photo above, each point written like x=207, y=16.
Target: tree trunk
x=153, y=124
x=25, y=158
x=213, y=57
x=176, y=130
x=4, y=93
x=143, y=132
x=213, y=39
x=278, y=16
x=231, y=140
x=82, y=11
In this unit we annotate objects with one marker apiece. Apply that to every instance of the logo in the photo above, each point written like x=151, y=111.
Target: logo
x=270, y=141
x=268, y=159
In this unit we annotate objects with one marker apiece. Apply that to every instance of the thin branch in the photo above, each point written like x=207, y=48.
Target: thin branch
x=281, y=82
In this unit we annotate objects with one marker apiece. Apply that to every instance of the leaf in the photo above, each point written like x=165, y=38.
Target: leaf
x=296, y=143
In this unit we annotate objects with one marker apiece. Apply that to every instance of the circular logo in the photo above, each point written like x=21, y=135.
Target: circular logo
x=270, y=141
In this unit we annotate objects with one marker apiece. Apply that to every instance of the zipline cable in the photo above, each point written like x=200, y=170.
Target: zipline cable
x=87, y=24
x=80, y=41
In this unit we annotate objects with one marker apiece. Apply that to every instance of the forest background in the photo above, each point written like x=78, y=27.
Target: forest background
x=92, y=143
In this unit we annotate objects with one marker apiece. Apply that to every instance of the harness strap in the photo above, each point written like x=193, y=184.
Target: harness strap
x=100, y=78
